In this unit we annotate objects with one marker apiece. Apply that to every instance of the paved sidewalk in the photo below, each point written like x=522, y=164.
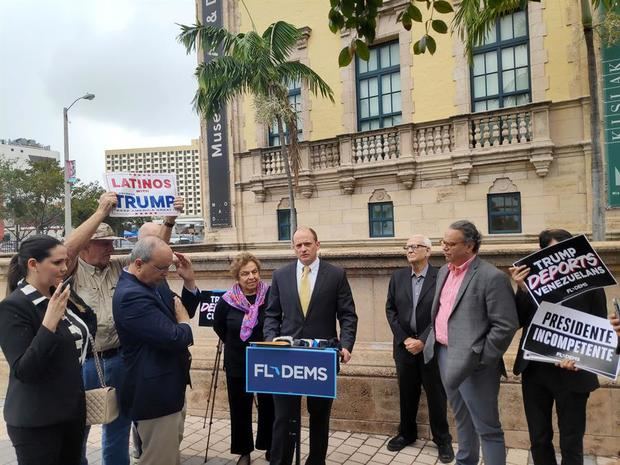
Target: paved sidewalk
x=344, y=448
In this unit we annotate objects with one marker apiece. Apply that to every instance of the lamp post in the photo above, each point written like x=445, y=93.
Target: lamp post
x=65, y=118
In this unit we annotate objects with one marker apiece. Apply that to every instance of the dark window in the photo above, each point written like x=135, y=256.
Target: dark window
x=504, y=213
x=294, y=99
x=381, y=219
x=500, y=74
x=378, y=88
x=284, y=225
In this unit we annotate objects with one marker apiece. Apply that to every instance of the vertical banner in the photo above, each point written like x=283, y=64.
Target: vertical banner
x=611, y=118
x=217, y=137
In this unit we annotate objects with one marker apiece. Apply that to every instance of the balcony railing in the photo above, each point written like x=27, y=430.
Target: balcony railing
x=457, y=144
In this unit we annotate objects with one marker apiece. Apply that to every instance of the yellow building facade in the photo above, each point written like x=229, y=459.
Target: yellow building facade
x=414, y=142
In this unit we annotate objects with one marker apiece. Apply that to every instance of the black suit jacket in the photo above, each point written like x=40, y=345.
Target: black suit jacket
x=45, y=377
x=227, y=324
x=399, y=306
x=593, y=302
x=153, y=346
x=331, y=300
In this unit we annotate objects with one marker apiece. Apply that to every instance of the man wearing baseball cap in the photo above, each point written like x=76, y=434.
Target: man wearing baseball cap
x=89, y=250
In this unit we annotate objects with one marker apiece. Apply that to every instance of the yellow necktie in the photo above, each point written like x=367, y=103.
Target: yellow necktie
x=304, y=289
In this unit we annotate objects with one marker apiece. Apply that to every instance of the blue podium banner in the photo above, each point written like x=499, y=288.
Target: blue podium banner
x=292, y=371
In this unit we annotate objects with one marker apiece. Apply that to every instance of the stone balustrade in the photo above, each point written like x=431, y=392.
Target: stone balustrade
x=413, y=151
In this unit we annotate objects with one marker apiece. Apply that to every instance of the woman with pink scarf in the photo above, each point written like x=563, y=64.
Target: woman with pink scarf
x=238, y=320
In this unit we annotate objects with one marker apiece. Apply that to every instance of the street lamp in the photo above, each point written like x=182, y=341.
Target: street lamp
x=88, y=96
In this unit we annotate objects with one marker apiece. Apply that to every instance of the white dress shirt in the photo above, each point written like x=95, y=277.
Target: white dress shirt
x=314, y=271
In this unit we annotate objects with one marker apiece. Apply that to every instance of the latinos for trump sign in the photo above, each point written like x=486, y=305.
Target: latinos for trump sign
x=559, y=332
x=143, y=194
x=292, y=371
x=208, y=301
x=564, y=270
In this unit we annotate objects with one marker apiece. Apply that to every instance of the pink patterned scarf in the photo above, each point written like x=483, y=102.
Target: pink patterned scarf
x=236, y=298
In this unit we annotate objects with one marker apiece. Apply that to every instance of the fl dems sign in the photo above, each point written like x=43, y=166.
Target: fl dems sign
x=291, y=370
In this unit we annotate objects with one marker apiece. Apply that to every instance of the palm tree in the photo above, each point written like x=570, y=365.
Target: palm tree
x=474, y=18
x=249, y=63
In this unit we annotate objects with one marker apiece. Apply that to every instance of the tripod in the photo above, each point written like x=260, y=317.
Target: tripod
x=211, y=394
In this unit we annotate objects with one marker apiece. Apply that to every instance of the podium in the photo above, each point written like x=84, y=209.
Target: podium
x=291, y=370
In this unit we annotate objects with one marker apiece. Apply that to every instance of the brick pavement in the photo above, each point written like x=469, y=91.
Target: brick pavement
x=345, y=448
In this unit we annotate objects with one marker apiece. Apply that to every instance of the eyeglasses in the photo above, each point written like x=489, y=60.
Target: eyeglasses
x=160, y=269
x=415, y=247
x=449, y=245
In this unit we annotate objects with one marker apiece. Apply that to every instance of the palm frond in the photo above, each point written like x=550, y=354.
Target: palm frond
x=281, y=37
x=474, y=19
x=295, y=71
x=218, y=82
x=207, y=37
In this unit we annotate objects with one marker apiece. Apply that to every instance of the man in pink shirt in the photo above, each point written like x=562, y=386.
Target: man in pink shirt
x=473, y=321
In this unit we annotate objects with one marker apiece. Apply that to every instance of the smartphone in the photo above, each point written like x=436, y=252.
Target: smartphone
x=617, y=307
x=65, y=283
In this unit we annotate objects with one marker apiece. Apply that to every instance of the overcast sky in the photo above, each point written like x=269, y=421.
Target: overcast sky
x=123, y=51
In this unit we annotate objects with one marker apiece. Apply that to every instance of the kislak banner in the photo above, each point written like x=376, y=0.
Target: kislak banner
x=292, y=371
x=143, y=194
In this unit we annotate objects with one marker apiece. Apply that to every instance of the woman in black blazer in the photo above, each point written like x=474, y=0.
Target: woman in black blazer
x=545, y=384
x=238, y=320
x=43, y=335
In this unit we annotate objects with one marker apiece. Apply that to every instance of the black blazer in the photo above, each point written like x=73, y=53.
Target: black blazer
x=592, y=302
x=399, y=305
x=153, y=347
x=45, y=378
x=331, y=300
x=227, y=324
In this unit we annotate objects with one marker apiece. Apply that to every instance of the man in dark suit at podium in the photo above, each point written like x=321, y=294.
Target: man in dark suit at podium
x=408, y=310
x=305, y=300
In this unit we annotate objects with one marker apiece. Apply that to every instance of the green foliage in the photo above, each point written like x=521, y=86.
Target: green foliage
x=361, y=17
x=32, y=196
x=249, y=64
x=472, y=21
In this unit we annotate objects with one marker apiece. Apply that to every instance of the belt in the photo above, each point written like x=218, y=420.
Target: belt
x=106, y=353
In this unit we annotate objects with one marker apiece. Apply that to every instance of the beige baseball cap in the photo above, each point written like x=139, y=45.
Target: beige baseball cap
x=104, y=233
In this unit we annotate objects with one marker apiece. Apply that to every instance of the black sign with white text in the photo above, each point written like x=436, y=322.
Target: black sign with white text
x=217, y=137
x=208, y=301
x=564, y=270
x=557, y=333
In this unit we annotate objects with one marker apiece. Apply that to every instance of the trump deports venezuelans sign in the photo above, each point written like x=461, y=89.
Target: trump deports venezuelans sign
x=557, y=333
x=208, y=302
x=564, y=270
x=293, y=371
x=143, y=194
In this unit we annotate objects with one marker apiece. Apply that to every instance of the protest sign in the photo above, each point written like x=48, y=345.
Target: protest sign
x=208, y=301
x=559, y=333
x=564, y=270
x=291, y=370
x=143, y=194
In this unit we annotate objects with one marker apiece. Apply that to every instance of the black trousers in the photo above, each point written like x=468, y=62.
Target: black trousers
x=240, y=405
x=59, y=444
x=412, y=375
x=540, y=391
x=287, y=422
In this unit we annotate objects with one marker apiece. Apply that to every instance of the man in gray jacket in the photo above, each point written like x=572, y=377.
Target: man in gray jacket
x=473, y=321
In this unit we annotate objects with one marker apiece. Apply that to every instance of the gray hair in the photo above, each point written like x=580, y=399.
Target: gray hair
x=144, y=248
x=425, y=240
x=470, y=233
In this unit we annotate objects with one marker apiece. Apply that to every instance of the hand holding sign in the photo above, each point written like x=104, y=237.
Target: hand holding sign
x=107, y=202
x=518, y=275
x=143, y=194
